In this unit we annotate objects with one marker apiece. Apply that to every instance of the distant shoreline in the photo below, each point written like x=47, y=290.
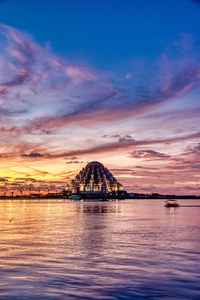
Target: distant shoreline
x=138, y=197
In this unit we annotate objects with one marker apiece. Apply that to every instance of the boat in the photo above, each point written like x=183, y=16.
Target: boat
x=171, y=203
x=75, y=197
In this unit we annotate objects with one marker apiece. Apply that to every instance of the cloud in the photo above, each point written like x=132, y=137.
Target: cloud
x=3, y=179
x=188, y=161
x=71, y=158
x=125, y=143
x=33, y=154
x=74, y=162
x=35, y=82
x=148, y=154
x=131, y=101
x=117, y=136
x=49, y=92
x=193, y=151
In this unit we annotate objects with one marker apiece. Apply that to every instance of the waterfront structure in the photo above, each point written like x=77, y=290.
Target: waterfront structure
x=95, y=178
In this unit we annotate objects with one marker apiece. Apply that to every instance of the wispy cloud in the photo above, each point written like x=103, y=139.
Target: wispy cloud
x=48, y=92
x=33, y=154
x=34, y=82
x=74, y=162
x=148, y=154
x=39, y=151
x=127, y=143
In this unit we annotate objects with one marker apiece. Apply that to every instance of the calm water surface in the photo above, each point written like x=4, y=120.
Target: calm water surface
x=134, y=249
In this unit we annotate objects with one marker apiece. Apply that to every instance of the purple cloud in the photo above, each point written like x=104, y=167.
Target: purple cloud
x=148, y=154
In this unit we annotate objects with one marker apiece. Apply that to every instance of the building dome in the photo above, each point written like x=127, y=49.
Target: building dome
x=95, y=178
x=94, y=164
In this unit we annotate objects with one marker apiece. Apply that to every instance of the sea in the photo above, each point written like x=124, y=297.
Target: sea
x=129, y=249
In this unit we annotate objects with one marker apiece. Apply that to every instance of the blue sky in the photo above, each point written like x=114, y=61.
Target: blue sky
x=102, y=32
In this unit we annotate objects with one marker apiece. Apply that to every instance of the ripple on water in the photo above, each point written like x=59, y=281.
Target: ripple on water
x=110, y=250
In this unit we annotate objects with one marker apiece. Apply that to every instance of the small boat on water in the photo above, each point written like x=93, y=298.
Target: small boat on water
x=75, y=197
x=171, y=203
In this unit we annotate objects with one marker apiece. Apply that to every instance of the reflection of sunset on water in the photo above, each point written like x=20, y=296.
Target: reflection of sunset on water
x=47, y=246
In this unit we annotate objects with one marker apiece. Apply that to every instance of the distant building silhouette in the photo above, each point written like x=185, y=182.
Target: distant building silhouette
x=95, y=178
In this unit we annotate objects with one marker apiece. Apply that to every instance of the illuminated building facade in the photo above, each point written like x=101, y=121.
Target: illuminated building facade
x=95, y=178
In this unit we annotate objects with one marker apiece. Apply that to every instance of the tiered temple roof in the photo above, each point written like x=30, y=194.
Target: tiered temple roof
x=95, y=178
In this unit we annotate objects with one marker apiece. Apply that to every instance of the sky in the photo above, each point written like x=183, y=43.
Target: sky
x=116, y=81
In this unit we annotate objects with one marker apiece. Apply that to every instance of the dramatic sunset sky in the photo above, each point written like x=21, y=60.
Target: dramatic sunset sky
x=116, y=81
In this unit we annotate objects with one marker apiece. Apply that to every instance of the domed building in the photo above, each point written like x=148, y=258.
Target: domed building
x=95, y=178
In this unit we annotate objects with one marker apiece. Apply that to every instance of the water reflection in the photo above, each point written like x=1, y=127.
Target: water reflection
x=99, y=208
x=171, y=210
x=99, y=250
